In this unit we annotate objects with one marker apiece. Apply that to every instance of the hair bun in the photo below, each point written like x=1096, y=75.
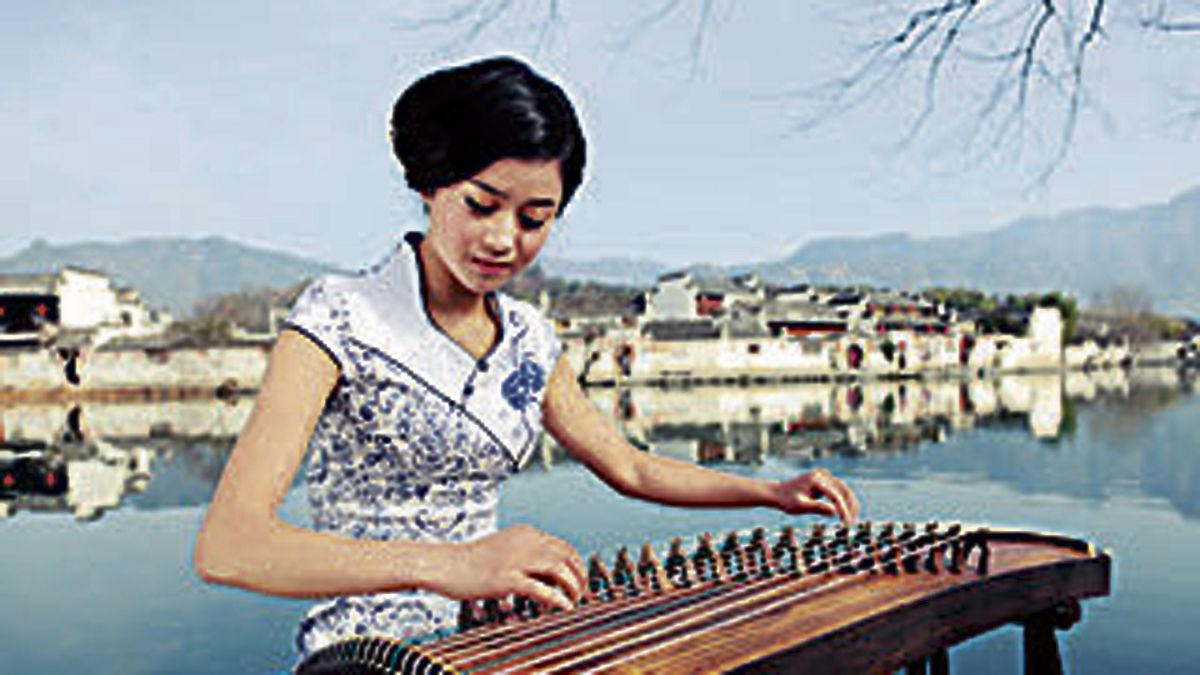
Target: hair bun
x=453, y=123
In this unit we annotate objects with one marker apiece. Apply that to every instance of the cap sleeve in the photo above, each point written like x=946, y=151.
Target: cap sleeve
x=319, y=314
x=541, y=340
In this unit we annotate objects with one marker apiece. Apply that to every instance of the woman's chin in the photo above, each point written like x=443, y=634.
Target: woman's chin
x=482, y=284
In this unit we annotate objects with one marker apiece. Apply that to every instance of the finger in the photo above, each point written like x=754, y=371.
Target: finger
x=561, y=576
x=823, y=482
x=846, y=495
x=547, y=595
x=578, y=571
x=850, y=497
x=817, y=507
x=575, y=578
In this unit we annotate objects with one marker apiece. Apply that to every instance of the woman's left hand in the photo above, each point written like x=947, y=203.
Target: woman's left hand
x=820, y=492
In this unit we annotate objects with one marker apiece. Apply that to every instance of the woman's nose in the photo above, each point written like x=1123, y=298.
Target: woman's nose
x=501, y=232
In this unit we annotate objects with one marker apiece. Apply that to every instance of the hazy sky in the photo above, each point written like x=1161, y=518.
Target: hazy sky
x=266, y=122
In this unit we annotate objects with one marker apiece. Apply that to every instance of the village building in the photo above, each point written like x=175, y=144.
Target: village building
x=74, y=305
x=802, y=315
x=679, y=296
x=701, y=328
x=672, y=298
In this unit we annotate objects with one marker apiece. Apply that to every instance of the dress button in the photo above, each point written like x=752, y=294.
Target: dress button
x=482, y=365
x=468, y=390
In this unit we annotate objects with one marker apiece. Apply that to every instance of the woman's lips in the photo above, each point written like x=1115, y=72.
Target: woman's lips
x=490, y=267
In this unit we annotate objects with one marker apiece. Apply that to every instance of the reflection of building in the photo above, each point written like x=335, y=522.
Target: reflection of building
x=88, y=458
x=100, y=480
x=86, y=479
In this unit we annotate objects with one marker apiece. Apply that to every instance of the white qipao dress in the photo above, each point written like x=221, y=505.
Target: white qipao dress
x=417, y=435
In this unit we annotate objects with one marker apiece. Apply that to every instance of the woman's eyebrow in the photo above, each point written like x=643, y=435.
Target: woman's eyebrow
x=489, y=188
x=493, y=190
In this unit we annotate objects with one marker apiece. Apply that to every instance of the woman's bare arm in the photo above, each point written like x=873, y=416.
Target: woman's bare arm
x=243, y=542
x=580, y=427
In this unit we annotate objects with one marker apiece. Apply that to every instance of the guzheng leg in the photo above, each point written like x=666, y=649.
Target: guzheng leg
x=939, y=663
x=1041, y=646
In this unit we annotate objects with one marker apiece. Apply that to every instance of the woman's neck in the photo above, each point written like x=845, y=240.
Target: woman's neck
x=446, y=298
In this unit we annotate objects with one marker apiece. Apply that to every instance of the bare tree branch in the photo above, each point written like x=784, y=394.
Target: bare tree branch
x=703, y=22
x=547, y=26
x=1001, y=41
x=1013, y=85
x=469, y=20
x=935, y=69
x=701, y=31
x=1160, y=21
x=1093, y=32
x=1190, y=119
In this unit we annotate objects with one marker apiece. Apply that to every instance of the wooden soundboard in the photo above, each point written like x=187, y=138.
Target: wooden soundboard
x=874, y=598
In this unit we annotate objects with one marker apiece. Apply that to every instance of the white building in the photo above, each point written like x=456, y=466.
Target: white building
x=36, y=306
x=1046, y=330
x=673, y=298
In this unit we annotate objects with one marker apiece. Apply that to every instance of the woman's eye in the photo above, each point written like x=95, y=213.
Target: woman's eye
x=479, y=209
x=531, y=223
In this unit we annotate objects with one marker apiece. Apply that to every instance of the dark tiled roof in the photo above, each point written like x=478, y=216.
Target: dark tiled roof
x=682, y=330
x=672, y=276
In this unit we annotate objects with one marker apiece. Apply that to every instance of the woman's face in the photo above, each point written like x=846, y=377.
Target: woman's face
x=484, y=230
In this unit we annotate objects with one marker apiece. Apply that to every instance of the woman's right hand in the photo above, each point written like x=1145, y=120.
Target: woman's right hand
x=519, y=560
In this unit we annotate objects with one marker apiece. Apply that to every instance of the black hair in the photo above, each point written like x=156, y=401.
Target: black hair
x=453, y=123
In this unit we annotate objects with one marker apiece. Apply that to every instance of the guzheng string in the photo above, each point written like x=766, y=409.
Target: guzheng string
x=654, y=608
x=629, y=627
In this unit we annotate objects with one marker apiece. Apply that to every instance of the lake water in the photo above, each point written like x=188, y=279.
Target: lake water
x=97, y=579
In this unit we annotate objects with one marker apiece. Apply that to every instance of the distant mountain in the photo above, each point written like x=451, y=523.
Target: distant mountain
x=624, y=271
x=171, y=273
x=1082, y=252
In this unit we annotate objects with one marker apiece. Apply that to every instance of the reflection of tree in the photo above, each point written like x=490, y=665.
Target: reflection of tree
x=186, y=473
x=1002, y=419
x=1171, y=466
x=1124, y=418
x=1070, y=421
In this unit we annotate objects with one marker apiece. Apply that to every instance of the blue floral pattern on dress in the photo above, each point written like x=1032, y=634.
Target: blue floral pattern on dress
x=521, y=385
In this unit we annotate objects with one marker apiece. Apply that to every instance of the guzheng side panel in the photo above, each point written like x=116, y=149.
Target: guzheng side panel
x=855, y=601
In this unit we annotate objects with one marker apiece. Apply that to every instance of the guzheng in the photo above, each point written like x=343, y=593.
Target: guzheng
x=871, y=598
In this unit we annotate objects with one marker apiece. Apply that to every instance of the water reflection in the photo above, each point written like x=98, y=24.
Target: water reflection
x=86, y=459
x=1130, y=442
x=745, y=424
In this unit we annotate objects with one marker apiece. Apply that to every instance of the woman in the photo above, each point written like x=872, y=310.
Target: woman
x=418, y=388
